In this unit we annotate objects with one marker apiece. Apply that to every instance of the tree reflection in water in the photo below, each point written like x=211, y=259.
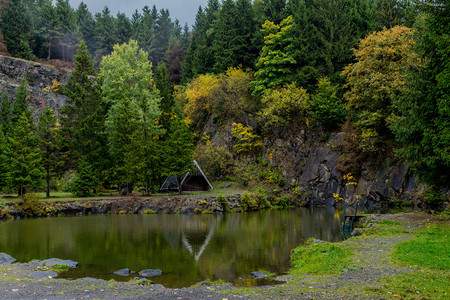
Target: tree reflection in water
x=188, y=248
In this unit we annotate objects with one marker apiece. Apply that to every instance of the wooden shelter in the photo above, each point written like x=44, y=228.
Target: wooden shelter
x=191, y=181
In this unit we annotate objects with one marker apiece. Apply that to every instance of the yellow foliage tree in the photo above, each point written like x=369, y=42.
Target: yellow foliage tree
x=247, y=142
x=377, y=77
x=284, y=105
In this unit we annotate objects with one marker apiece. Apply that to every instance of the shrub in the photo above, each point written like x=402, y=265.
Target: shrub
x=222, y=200
x=30, y=205
x=248, y=202
x=197, y=211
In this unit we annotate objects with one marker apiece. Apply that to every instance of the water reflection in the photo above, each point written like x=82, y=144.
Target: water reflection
x=188, y=248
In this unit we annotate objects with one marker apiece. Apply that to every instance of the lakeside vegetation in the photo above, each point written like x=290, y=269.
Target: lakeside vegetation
x=144, y=92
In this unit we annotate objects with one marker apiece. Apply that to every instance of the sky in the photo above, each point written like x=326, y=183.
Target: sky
x=183, y=10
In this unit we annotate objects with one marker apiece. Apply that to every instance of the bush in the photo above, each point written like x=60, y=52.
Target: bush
x=30, y=205
x=222, y=200
x=434, y=198
x=248, y=202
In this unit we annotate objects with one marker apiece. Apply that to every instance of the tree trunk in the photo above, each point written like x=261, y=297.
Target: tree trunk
x=47, y=178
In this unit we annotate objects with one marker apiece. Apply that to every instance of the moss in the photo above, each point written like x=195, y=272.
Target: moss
x=149, y=212
x=122, y=212
x=197, y=210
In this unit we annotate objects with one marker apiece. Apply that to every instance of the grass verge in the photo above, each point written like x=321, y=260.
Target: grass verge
x=321, y=258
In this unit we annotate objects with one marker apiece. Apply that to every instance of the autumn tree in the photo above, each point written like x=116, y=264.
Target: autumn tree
x=376, y=78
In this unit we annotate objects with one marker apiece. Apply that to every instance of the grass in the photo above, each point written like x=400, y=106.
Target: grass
x=429, y=248
x=387, y=227
x=322, y=258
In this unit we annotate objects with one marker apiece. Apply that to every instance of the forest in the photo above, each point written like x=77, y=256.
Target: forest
x=143, y=89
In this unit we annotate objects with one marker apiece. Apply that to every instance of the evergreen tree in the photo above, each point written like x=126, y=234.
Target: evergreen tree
x=178, y=149
x=174, y=60
x=5, y=115
x=84, y=116
x=107, y=32
x=225, y=31
x=422, y=120
x=25, y=165
x=245, y=46
x=145, y=31
x=21, y=101
x=85, y=180
x=66, y=27
x=4, y=161
x=46, y=28
x=165, y=87
x=48, y=143
x=17, y=29
x=87, y=27
x=124, y=29
x=163, y=31
x=276, y=62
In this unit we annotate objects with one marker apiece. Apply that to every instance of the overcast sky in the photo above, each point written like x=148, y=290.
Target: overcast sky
x=183, y=10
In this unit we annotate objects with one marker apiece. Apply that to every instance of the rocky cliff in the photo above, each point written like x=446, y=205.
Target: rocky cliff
x=43, y=81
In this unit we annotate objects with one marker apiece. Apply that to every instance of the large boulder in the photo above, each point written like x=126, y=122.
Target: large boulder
x=6, y=259
x=57, y=261
x=150, y=272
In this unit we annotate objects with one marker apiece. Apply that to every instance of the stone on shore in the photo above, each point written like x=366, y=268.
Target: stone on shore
x=123, y=272
x=150, y=272
x=257, y=275
x=6, y=259
x=43, y=274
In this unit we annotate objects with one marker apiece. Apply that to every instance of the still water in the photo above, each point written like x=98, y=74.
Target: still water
x=187, y=248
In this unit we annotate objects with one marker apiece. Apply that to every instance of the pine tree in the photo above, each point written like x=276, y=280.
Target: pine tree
x=84, y=116
x=124, y=29
x=145, y=30
x=66, y=28
x=21, y=101
x=4, y=161
x=422, y=120
x=163, y=31
x=48, y=144
x=178, y=148
x=107, y=32
x=165, y=87
x=17, y=29
x=87, y=27
x=5, y=115
x=225, y=31
x=25, y=164
x=174, y=60
x=245, y=46
x=276, y=63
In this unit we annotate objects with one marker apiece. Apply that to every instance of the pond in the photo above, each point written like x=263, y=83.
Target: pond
x=187, y=248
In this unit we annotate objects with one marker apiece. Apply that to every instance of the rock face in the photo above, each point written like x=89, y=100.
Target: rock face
x=41, y=80
x=313, y=165
x=6, y=259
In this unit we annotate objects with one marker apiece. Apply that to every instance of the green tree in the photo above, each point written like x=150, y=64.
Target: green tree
x=25, y=164
x=87, y=27
x=47, y=135
x=276, y=62
x=4, y=161
x=131, y=123
x=83, y=116
x=163, y=31
x=5, y=114
x=66, y=28
x=178, y=149
x=326, y=106
x=422, y=121
x=377, y=77
x=17, y=29
x=225, y=31
x=21, y=101
x=85, y=180
x=165, y=87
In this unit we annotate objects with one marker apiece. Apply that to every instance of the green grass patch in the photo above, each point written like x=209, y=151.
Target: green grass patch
x=421, y=284
x=387, y=227
x=323, y=258
x=60, y=268
x=429, y=248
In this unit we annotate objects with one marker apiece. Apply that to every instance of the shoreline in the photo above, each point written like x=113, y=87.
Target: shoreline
x=364, y=273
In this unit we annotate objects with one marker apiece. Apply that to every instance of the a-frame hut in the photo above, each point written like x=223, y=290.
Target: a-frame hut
x=190, y=181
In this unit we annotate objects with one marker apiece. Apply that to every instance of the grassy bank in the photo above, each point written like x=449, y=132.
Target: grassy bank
x=403, y=256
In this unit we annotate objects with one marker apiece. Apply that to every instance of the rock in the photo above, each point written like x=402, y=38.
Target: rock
x=57, y=261
x=317, y=241
x=123, y=272
x=257, y=275
x=227, y=185
x=6, y=259
x=356, y=232
x=90, y=279
x=140, y=280
x=150, y=272
x=43, y=274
